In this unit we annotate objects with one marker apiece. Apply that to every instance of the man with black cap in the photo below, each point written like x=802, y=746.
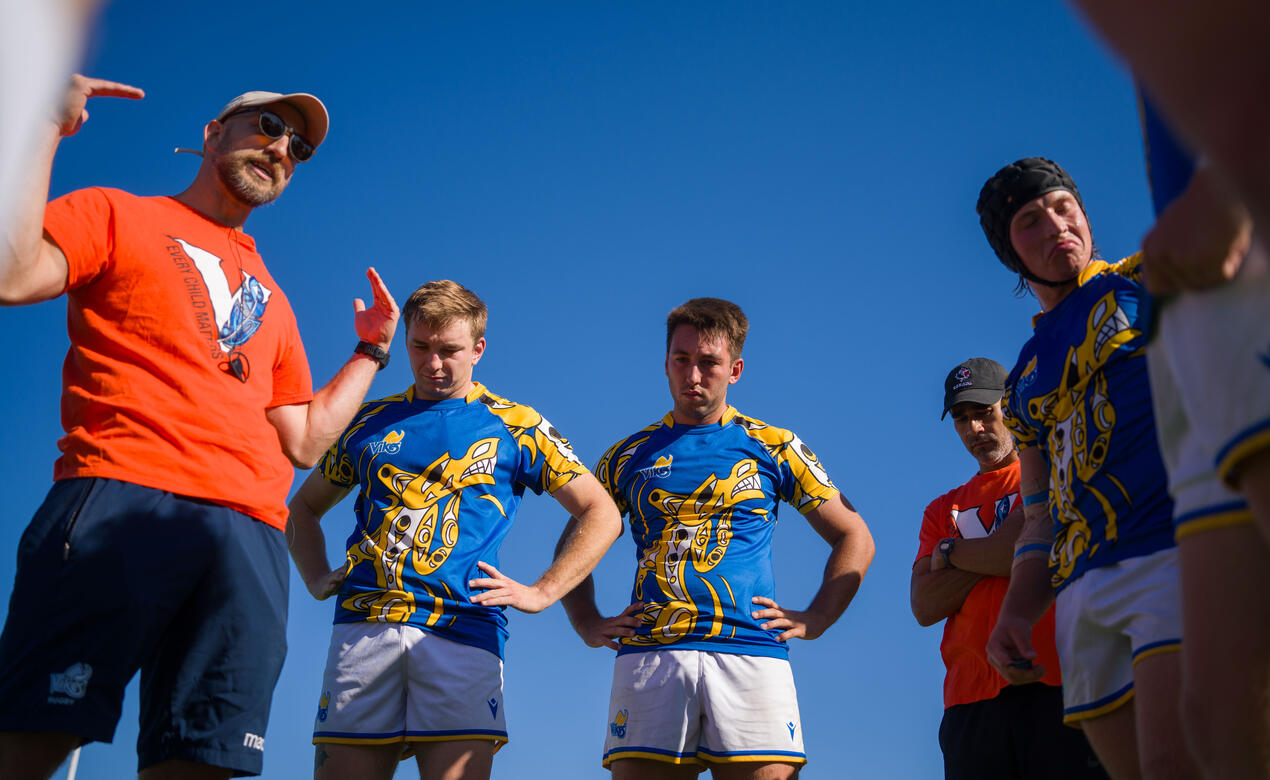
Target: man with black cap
x=187, y=400
x=990, y=729
x=1097, y=535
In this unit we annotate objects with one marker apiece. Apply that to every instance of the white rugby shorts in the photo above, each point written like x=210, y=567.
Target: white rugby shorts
x=1210, y=380
x=1106, y=621
x=698, y=707
x=395, y=683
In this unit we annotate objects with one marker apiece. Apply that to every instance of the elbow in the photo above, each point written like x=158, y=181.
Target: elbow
x=924, y=615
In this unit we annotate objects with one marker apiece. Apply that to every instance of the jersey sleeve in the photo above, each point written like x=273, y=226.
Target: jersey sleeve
x=82, y=224
x=547, y=459
x=1014, y=405
x=605, y=471
x=336, y=465
x=804, y=482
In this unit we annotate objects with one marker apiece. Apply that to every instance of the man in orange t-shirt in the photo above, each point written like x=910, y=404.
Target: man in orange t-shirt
x=186, y=402
x=990, y=730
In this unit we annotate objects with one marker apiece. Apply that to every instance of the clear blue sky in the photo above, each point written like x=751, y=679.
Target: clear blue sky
x=585, y=167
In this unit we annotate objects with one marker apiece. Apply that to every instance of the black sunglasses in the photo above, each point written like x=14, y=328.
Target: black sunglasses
x=272, y=127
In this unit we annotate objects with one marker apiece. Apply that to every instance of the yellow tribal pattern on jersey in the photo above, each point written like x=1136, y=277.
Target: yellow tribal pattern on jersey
x=1080, y=391
x=702, y=504
x=439, y=485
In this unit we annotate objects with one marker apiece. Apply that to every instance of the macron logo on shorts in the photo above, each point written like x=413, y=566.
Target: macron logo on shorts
x=792, y=726
x=493, y=708
x=254, y=741
x=71, y=685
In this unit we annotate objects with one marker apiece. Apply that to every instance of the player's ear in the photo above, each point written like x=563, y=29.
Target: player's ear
x=478, y=349
x=737, y=366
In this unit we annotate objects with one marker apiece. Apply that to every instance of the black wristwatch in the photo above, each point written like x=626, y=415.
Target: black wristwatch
x=373, y=350
x=945, y=550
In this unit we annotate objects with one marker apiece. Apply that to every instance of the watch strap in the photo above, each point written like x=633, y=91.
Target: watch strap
x=373, y=350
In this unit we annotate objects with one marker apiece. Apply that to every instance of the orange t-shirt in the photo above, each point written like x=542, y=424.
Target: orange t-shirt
x=973, y=511
x=180, y=340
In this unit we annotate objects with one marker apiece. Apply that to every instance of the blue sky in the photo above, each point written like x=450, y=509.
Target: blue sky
x=584, y=168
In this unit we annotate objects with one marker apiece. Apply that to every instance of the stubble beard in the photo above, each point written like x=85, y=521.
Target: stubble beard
x=235, y=171
x=992, y=459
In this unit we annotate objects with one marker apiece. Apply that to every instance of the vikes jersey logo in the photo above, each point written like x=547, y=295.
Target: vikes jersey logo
x=389, y=445
x=234, y=316
x=660, y=468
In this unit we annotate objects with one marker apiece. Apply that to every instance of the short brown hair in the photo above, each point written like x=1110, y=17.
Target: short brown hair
x=711, y=317
x=439, y=303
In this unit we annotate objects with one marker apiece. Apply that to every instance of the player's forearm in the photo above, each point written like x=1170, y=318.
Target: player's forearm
x=844, y=571
x=585, y=540
x=306, y=542
x=935, y=595
x=1030, y=592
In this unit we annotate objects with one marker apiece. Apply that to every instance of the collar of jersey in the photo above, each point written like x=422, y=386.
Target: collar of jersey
x=728, y=413
x=477, y=390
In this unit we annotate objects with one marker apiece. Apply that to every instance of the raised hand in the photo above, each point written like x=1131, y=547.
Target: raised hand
x=74, y=112
x=377, y=324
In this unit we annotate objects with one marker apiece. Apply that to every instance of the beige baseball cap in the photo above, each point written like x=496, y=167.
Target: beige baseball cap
x=316, y=120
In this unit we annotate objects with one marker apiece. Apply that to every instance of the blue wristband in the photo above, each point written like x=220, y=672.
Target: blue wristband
x=1035, y=498
x=1037, y=547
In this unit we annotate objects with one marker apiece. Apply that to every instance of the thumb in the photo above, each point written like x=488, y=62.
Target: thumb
x=359, y=305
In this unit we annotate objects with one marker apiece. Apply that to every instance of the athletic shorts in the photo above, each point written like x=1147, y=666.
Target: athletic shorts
x=389, y=683
x=697, y=707
x=1016, y=735
x=1210, y=380
x=114, y=577
x=1109, y=619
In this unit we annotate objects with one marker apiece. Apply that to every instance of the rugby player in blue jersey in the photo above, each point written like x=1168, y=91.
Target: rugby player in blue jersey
x=1098, y=531
x=702, y=676
x=415, y=663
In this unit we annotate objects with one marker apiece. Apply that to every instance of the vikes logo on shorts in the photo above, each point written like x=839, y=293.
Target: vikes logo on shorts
x=71, y=685
x=323, y=703
x=618, y=727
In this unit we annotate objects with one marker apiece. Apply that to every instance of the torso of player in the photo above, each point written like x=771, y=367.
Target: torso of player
x=180, y=340
x=1080, y=392
x=439, y=483
x=702, y=504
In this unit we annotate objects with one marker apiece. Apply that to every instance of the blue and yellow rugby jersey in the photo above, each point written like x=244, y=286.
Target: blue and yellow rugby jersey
x=1079, y=391
x=702, y=503
x=439, y=483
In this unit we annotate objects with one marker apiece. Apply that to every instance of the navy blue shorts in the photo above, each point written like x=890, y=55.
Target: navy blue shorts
x=113, y=577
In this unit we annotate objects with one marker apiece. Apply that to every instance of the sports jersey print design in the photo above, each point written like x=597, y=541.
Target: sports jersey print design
x=439, y=484
x=1082, y=394
x=702, y=504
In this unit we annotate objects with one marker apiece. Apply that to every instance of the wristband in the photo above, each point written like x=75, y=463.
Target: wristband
x=1035, y=498
x=1035, y=547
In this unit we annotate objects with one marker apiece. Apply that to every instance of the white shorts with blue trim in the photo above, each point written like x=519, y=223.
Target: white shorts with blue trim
x=389, y=683
x=1210, y=381
x=698, y=707
x=1106, y=621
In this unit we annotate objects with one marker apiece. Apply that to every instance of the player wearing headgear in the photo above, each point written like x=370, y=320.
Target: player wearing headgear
x=1098, y=533
x=187, y=401
x=991, y=730
x=415, y=663
x=1210, y=380
x=702, y=676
